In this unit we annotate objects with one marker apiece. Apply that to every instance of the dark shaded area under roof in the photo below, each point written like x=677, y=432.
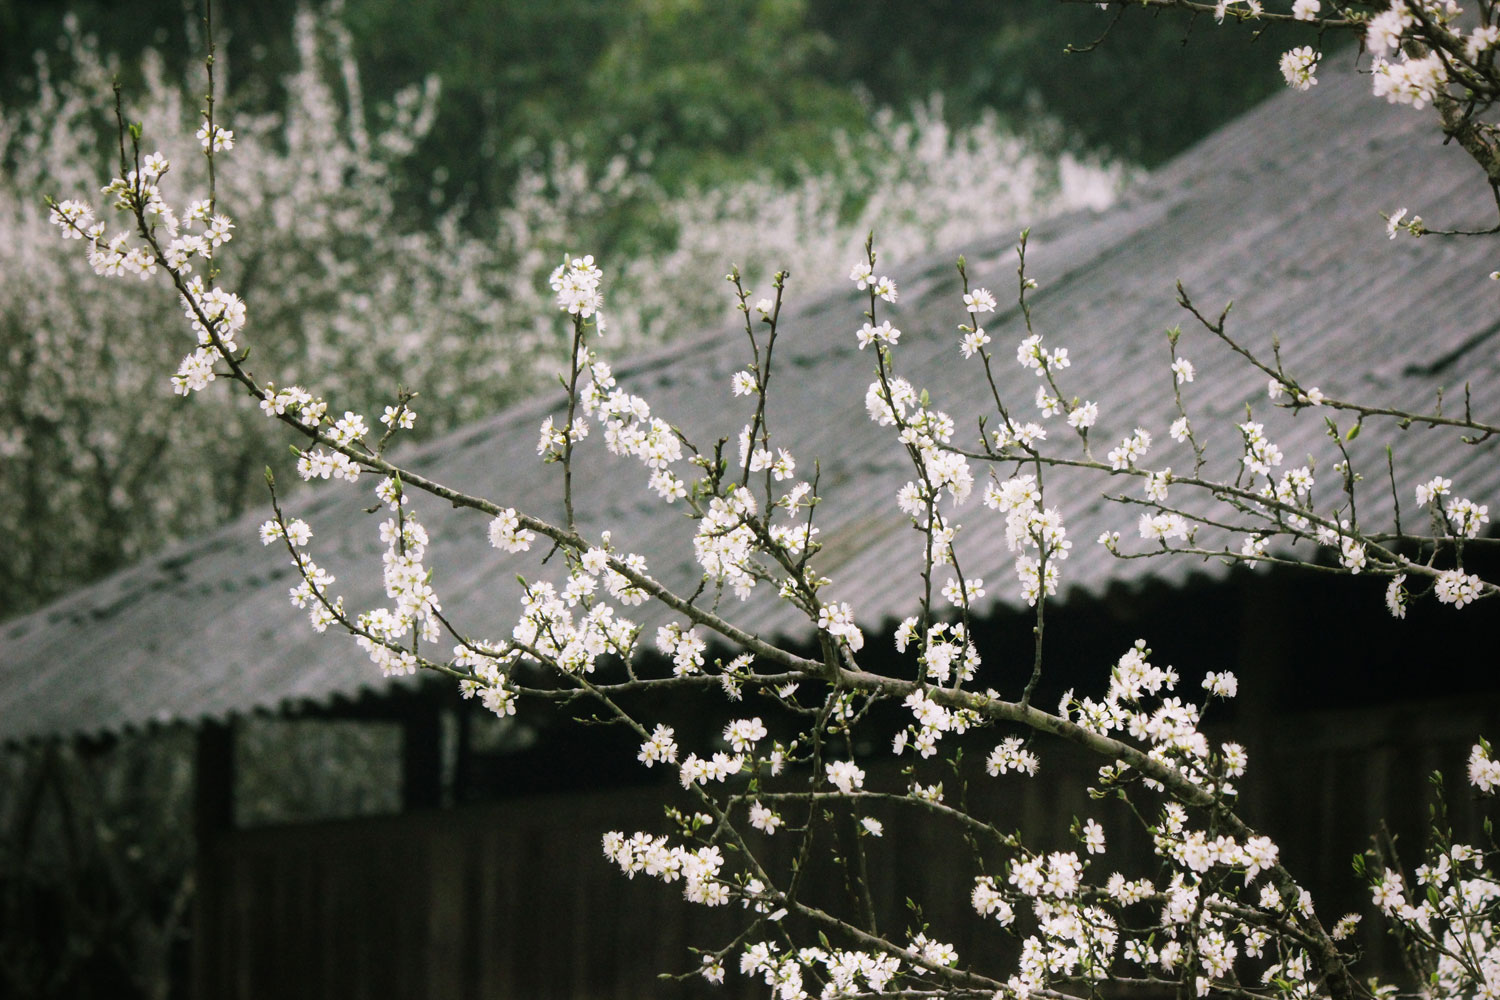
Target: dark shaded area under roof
x=1278, y=212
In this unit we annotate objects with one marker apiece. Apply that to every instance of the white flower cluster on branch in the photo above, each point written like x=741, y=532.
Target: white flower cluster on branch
x=1437, y=53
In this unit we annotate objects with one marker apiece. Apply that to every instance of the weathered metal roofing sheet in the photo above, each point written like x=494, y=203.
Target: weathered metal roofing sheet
x=1278, y=212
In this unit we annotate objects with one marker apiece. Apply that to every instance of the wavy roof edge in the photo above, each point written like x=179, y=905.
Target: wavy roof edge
x=1275, y=210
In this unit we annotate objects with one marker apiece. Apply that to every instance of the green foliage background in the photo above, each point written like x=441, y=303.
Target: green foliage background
x=705, y=91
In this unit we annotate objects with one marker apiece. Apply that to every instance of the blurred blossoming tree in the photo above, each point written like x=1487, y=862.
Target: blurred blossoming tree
x=347, y=281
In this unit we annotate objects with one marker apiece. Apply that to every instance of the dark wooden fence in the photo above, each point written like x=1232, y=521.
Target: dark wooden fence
x=517, y=900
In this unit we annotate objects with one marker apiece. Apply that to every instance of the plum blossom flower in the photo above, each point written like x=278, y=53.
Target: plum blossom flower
x=973, y=341
x=1466, y=517
x=1435, y=487
x=882, y=334
x=845, y=775
x=1299, y=67
x=1084, y=415
x=838, y=620
x=661, y=747
x=1457, y=588
x=742, y=383
x=1410, y=81
x=764, y=819
x=215, y=139
x=1383, y=32
x=507, y=534
x=980, y=300
x=1163, y=527
x=1395, y=596
x=1484, y=772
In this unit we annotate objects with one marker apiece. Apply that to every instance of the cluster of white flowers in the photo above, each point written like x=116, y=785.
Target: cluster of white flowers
x=782, y=465
x=1012, y=755
x=1294, y=487
x=486, y=663
x=576, y=282
x=321, y=464
x=846, y=973
x=683, y=646
x=311, y=594
x=1484, y=770
x=882, y=334
x=838, y=621
x=1462, y=516
x=630, y=429
x=1200, y=931
x=1458, y=908
x=744, y=734
x=698, y=869
x=1261, y=455
x=725, y=544
x=1196, y=851
x=701, y=770
x=1072, y=939
x=660, y=748
x=1400, y=74
x=1164, y=527
x=946, y=651
x=931, y=720
x=1170, y=728
x=1030, y=355
x=507, y=534
x=990, y=902
x=1458, y=588
x=1030, y=527
x=1467, y=518
x=1410, y=81
x=1299, y=67
x=980, y=300
x=551, y=630
x=764, y=818
x=297, y=532
x=845, y=775
x=1131, y=450
x=406, y=579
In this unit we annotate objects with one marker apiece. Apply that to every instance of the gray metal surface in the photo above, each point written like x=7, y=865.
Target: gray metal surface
x=1278, y=212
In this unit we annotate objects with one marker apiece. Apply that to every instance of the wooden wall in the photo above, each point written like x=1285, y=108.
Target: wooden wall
x=517, y=900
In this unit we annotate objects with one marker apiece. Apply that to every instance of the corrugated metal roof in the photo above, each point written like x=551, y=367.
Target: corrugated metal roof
x=1278, y=212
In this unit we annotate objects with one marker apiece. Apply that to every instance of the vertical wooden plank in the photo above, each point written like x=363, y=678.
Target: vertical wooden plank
x=448, y=857
x=213, y=816
x=422, y=756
